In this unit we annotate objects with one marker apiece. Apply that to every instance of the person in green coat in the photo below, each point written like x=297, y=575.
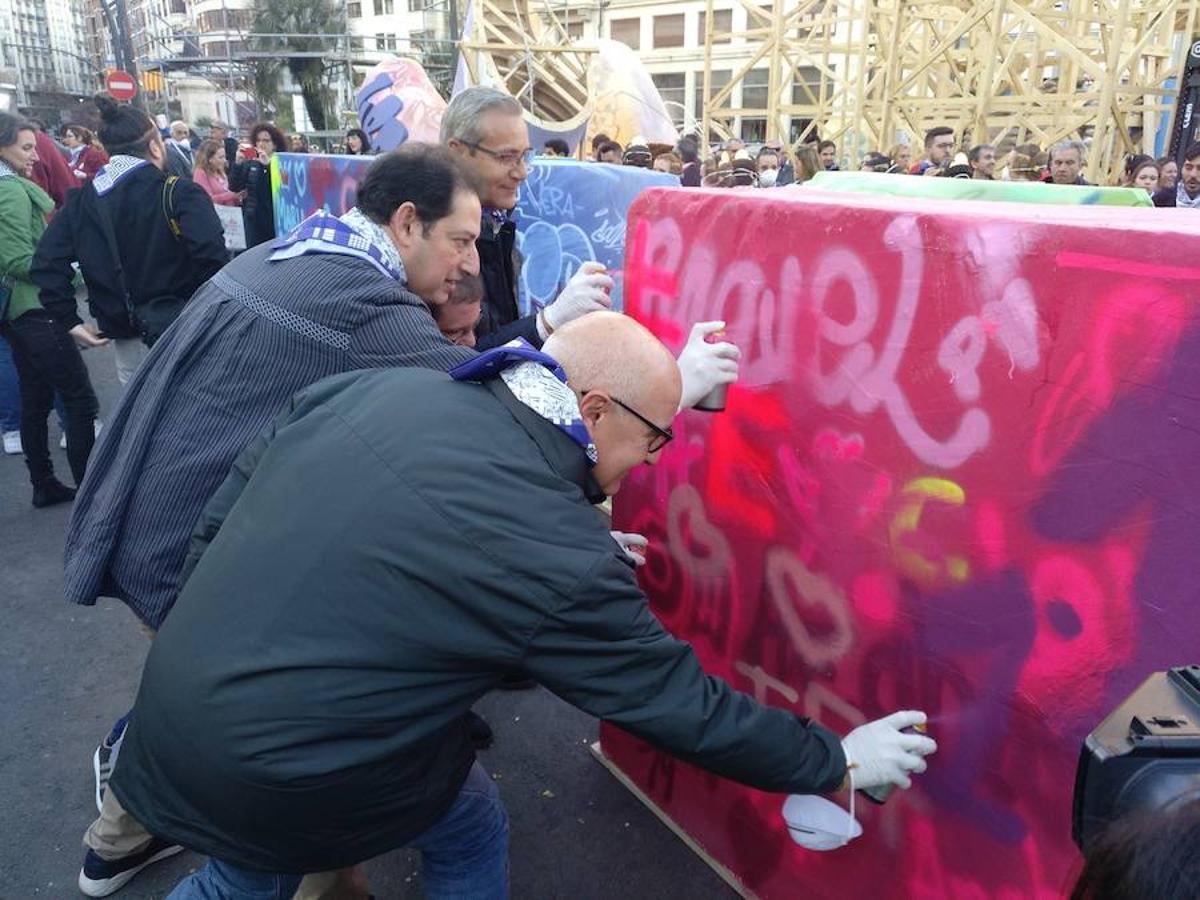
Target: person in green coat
x=45, y=352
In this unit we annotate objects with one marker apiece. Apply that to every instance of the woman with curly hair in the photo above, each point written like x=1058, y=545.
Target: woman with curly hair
x=254, y=177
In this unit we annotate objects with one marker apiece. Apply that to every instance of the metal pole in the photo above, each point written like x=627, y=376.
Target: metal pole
x=127, y=48
x=229, y=63
x=114, y=34
x=454, y=38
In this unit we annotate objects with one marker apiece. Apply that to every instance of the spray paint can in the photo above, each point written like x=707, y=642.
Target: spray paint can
x=880, y=794
x=714, y=400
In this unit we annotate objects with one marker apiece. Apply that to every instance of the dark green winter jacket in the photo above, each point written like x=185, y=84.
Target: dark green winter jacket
x=371, y=567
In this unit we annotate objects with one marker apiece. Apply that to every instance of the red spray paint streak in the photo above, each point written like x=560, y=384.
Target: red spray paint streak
x=957, y=474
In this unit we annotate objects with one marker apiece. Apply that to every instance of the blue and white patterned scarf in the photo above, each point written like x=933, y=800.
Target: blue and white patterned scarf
x=351, y=235
x=114, y=170
x=498, y=218
x=538, y=381
x=7, y=171
x=1182, y=200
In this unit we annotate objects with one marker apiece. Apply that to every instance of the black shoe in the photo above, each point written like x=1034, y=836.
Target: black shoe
x=101, y=877
x=480, y=731
x=50, y=492
x=516, y=681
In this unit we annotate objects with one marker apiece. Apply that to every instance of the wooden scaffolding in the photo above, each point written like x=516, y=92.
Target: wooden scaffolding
x=526, y=51
x=867, y=73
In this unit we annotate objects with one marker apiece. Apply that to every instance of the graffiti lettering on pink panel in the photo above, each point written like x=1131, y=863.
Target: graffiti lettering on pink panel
x=958, y=474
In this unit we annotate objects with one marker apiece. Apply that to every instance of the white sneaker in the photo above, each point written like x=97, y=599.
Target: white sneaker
x=12, y=442
x=62, y=441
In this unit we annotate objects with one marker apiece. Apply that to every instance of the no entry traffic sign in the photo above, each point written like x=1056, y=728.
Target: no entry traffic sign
x=120, y=85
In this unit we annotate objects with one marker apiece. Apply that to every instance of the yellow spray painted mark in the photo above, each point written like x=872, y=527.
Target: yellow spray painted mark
x=907, y=520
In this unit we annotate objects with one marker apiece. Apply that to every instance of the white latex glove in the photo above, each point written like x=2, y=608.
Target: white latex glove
x=880, y=753
x=704, y=366
x=587, y=291
x=633, y=545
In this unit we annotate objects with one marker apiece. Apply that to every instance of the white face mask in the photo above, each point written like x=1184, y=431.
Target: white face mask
x=817, y=824
x=766, y=178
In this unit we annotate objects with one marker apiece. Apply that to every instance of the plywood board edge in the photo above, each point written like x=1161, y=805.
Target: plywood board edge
x=727, y=876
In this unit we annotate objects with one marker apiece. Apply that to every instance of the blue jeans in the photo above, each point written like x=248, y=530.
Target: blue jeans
x=10, y=390
x=464, y=856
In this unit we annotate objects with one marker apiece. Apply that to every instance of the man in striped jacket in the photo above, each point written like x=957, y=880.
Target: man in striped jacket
x=336, y=295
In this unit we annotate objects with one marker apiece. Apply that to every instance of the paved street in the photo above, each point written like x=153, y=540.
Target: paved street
x=67, y=672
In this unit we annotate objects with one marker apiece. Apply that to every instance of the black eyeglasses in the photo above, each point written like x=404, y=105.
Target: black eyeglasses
x=662, y=436
x=504, y=157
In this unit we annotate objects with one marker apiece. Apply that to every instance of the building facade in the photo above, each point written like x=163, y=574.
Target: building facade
x=670, y=39
x=222, y=26
x=156, y=27
x=42, y=42
x=423, y=29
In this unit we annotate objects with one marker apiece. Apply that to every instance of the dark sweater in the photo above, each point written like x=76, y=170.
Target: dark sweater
x=499, y=266
x=258, y=208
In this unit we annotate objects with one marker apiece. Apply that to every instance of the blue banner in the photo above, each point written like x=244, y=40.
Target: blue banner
x=569, y=212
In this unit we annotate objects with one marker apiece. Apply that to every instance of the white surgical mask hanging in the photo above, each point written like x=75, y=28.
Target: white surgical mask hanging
x=819, y=824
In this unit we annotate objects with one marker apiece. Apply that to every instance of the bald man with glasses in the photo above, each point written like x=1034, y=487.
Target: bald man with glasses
x=393, y=593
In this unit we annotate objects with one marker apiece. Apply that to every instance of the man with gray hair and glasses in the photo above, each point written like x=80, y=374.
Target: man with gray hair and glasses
x=486, y=128
x=1066, y=162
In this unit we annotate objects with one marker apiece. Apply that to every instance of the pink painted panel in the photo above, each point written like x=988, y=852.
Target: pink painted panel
x=961, y=473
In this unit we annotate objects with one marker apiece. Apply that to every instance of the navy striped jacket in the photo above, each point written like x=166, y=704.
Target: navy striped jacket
x=255, y=334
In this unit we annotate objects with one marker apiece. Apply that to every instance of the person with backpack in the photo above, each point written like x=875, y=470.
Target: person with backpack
x=144, y=241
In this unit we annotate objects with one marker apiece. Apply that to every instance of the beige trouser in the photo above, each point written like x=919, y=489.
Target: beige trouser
x=129, y=352
x=116, y=834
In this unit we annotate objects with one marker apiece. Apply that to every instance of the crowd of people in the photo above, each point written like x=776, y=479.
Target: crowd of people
x=287, y=496
x=230, y=173
x=774, y=165
x=297, y=449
